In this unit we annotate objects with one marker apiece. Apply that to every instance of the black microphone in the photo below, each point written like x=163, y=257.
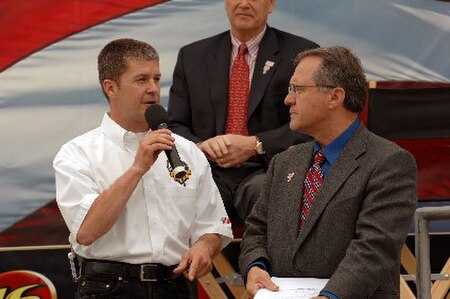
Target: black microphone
x=158, y=118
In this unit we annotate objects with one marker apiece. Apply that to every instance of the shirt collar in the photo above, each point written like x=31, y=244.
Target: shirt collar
x=334, y=149
x=119, y=135
x=252, y=44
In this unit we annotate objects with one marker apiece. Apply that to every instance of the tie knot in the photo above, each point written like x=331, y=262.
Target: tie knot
x=319, y=158
x=243, y=49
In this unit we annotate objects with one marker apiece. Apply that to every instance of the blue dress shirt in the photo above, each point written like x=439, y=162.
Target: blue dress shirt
x=333, y=150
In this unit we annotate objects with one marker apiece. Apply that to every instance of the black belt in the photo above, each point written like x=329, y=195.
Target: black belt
x=144, y=272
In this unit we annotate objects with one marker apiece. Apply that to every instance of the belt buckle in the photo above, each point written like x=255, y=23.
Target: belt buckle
x=142, y=274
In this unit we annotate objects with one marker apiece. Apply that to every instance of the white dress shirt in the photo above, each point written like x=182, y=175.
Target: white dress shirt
x=160, y=221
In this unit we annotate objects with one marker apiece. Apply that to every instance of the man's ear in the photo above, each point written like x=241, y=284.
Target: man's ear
x=272, y=5
x=337, y=97
x=109, y=87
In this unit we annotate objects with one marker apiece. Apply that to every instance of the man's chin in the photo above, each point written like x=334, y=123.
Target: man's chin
x=294, y=127
x=291, y=127
x=244, y=24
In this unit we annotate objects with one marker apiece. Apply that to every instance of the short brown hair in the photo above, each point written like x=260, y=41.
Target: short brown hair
x=112, y=60
x=340, y=68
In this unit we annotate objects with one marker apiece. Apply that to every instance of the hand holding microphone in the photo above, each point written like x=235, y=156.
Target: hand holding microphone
x=151, y=147
x=157, y=118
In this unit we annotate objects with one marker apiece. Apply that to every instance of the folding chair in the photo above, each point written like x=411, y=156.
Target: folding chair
x=226, y=273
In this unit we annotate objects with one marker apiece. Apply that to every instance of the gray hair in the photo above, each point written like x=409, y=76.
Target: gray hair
x=340, y=68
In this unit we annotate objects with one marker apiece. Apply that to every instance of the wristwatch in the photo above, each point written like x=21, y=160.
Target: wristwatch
x=259, y=148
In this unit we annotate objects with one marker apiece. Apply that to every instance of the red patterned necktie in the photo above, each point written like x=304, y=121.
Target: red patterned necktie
x=238, y=95
x=311, y=185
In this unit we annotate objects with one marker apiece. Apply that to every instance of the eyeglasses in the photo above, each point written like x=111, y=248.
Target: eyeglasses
x=299, y=88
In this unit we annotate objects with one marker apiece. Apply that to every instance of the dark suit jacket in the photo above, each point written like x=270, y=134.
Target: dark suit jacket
x=356, y=227
x=199, y=94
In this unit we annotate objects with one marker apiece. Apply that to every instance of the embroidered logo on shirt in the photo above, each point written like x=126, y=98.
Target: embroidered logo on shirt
x=180, y=174
x=225, y=220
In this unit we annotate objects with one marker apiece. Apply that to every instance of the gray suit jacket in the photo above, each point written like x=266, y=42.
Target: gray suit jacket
x=199, y=94
x=357, y=225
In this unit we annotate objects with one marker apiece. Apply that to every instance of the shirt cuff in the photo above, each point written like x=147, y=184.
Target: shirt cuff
x=328, y=294
x=260, y=263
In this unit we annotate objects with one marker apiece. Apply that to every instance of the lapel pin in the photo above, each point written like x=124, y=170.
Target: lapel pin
x=267, y=66
x=290, y=176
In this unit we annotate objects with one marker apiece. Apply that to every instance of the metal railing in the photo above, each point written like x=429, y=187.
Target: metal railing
x=422, y=247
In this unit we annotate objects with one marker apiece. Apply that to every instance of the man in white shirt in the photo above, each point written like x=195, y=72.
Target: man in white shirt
x=133, y=226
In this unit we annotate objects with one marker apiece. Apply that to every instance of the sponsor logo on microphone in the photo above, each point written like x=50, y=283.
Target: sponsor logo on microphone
x=181, y=174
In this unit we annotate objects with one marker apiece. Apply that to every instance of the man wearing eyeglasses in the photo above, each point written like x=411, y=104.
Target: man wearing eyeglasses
x=338, y=207
x=234, y=111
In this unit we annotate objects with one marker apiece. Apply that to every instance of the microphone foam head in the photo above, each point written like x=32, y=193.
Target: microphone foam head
x=155, y=115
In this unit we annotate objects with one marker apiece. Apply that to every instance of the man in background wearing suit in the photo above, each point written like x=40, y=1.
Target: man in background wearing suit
x=338, y=207
x=227, y=97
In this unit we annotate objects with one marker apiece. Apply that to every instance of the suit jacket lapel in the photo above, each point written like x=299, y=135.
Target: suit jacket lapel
x=268, y=51
x=295, y=176
x=218, y=71
x=343, y=167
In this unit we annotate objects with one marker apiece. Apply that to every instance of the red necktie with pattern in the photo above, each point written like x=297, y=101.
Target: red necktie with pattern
x=238, y=95
x=311, y=185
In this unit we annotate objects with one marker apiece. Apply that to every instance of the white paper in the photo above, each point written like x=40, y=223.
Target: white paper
x=293, y=288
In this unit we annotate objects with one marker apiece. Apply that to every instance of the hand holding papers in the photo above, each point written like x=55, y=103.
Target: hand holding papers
x=293, y=288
